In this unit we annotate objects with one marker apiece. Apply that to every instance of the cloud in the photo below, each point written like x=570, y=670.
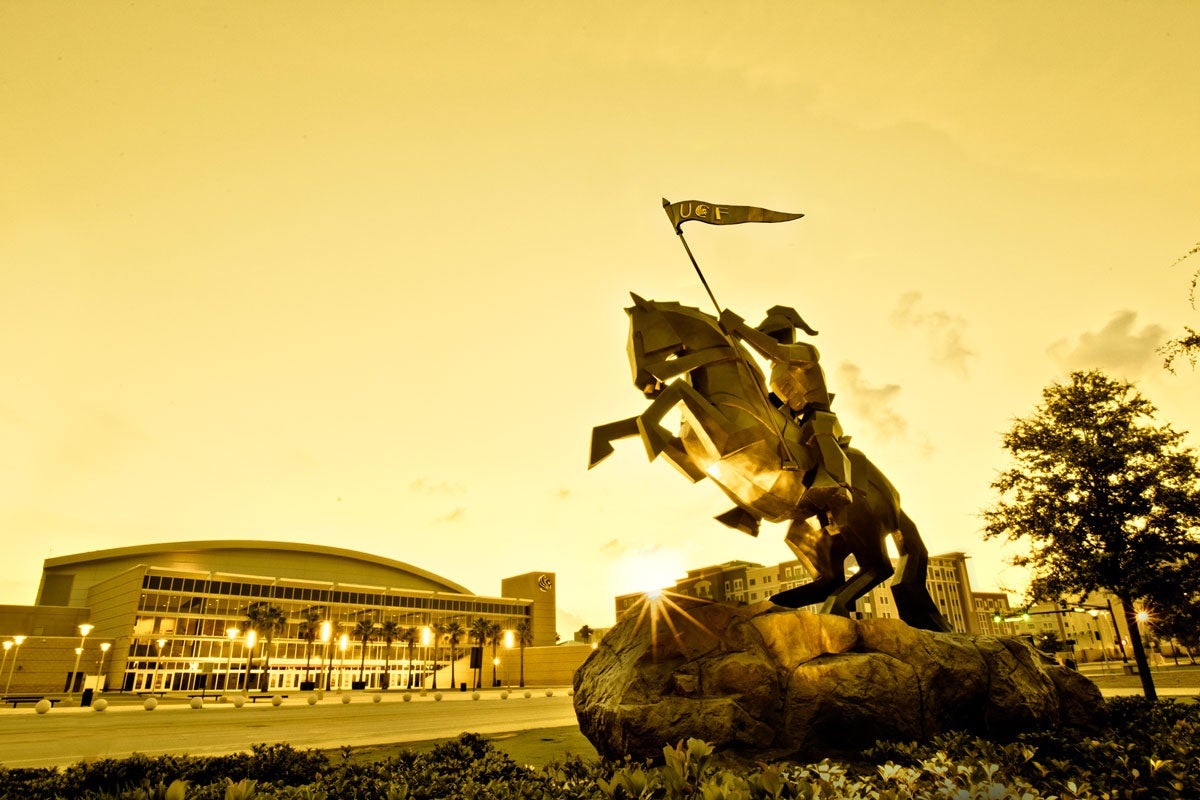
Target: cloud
x=612, y=548
x=944, y=331
x=453, y=516
x=1116, y=347
x=872, y=405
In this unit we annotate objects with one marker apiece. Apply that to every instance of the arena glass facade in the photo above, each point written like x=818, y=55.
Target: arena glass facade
x=175, y=626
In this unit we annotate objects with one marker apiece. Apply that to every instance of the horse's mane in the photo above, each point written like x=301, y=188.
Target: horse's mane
x=675, y=306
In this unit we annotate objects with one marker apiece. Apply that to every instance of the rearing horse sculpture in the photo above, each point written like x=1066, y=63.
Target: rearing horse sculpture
x=732, y=434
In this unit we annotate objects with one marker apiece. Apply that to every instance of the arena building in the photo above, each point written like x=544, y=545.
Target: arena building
x=178, y=617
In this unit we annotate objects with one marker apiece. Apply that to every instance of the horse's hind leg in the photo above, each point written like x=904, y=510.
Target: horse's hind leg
x=874, y=568
x=823, y=555
x=913, y=602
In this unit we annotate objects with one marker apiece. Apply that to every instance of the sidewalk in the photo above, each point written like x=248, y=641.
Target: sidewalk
x=1169, y=680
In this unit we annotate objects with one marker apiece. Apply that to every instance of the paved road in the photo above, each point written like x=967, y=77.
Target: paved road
x=65, y=736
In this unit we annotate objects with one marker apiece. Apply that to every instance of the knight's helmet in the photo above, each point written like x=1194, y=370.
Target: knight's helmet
x=781, y=323
x=794, y=386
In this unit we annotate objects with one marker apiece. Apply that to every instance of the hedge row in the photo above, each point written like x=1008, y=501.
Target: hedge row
x=1152, y=752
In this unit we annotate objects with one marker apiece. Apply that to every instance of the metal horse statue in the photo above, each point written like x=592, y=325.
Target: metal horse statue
x=732, y=433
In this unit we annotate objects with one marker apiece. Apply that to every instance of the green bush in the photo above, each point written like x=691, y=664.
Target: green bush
x=1151, y=752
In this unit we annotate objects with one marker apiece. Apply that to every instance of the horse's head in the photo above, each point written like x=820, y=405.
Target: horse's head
x=660, y=332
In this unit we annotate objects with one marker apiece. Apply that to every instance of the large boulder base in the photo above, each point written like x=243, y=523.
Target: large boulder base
x=765, y=682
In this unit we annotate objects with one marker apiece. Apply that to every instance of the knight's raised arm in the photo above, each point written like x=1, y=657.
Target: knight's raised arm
x=769, y=348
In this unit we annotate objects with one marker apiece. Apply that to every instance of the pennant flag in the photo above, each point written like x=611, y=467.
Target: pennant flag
x=715, y=214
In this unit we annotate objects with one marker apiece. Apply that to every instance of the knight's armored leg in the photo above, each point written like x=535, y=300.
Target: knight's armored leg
x=831, y=480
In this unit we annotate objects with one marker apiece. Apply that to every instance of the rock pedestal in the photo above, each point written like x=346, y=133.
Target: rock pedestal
x=765, y=682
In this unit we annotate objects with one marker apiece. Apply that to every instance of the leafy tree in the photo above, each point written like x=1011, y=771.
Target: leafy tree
x=478, y=633
x=1106, y=500
x=1187, y=345
x=1178, y=615
x=389, y=632
x=585, y=634
x=266, y=620
x=524, y=632
x=310, y=626
x=364, y=631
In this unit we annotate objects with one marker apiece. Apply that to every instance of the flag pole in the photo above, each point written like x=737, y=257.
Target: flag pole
x=716, y=305
x=786, y=459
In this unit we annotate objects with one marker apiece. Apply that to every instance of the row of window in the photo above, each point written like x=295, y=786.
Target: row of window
x=202, y=586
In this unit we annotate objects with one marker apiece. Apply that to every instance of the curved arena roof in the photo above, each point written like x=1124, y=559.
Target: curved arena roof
x=283, y=560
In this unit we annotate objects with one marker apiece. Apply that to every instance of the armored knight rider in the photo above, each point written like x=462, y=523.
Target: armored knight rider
x=798, y=382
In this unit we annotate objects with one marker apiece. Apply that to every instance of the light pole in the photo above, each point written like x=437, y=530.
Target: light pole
x=232, y=632
x=104, y=647
x=251, y=638
x=84, y=630
x=157, y=662
x=343, y=643
x=1094, y=613
x=326, y=634
x=1117, y=632
x=17, y=640
x=7, y=646
x=509, y=641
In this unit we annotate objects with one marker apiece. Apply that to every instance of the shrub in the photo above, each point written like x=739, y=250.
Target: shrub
x=1151, y=753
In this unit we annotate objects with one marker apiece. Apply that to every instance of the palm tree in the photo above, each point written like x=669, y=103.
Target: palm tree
x=310, y=626
x=364, y=631
x=267, y=620
x=524, y=637
x=389, y=631
x=478, y=634
x=409, y=637
x=439, y=633
x=493, y=637
x=453, y=632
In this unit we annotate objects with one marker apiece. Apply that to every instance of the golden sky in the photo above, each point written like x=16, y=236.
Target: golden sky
x=353, y=273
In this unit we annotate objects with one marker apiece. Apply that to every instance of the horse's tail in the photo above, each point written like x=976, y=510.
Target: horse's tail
x=908, y=588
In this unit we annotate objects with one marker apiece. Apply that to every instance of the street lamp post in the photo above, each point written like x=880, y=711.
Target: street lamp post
x=1095, y=615
x=84, y=630
x=104, y=647
x=251, y=638
x=157, y=662
x=343, y=643
x=326, y=634
x=1117, y=633
x=17, y=641
x=232, y=632
x=7, y=646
